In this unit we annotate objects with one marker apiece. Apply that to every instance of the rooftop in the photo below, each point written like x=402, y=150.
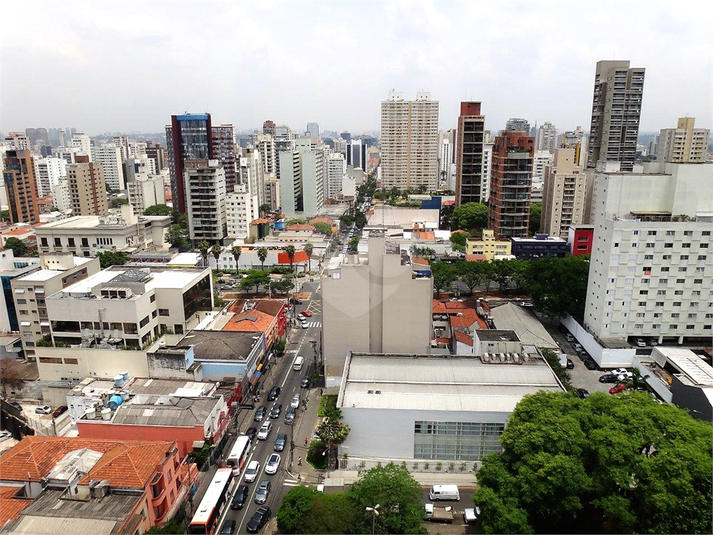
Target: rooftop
x=176, y=387
x=495, y=335
x=697, y=372
x=424, y=382
x=221, y=345
x=524, y=323
x=249, y=321
x=164, y=411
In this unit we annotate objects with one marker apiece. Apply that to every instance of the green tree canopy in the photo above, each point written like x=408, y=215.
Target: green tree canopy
x=558, y=286
x=262, y=256
x=458, y=240
x=354, y=244
x=535, y=217
x=607, y=464
x=203, y=248
x=470, y=216
x=119, y=201
x=283, y=286
x=18, y=246
x=255, y=278
x=323, y=228
x=305, y=510
x=159, y=209
x=176, y=236
x=443, y=275
x=109, y=258
x=472, y=274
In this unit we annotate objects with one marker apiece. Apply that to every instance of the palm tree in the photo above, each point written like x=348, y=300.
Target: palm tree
x=203, y=247
x=332, y=430
x=262, y=255
x=216, y=250
x=236, y=252
x=308, y=249
x=290, y=250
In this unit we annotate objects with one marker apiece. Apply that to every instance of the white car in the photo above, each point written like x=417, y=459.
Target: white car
x=639, y=342
x=295, y=403
x=252, y=471
x=621, y=371
x=305, y=325
x=43, y=409
x=264, y=431
x=273, y=463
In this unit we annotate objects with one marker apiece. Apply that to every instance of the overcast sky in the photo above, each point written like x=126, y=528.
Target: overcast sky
x=107, y=66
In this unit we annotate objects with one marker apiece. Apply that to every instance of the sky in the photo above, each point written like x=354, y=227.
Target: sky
x=127, y=66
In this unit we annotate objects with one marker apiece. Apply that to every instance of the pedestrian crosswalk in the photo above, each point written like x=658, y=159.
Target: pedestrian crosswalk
x=290, y=483
x=314, y=324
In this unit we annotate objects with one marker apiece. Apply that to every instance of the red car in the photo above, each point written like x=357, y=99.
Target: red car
x=616, y=389
x=306, y=314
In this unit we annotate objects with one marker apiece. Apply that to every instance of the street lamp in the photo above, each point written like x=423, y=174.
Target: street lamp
x=374, y=513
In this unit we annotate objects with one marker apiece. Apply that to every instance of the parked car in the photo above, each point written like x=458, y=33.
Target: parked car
x=258, y=520
x=622, y=371
x=290, y=415
x=59, y=411
x=583, y=393
x=569, y=337
x=304, y=383
x=294, y=301
x=470, y=515
x=228, y=527
x=241, y=496
x=276, y=410
x=570, y=364
x=251, y=433
x=304, y=325
x=608, y=378
x=260, y=414
x=251, y=471
x=295, y=403
x=43, y=409
x=264, y=431
x=263, y=491
x=590, y=364
x=639, y=342
x=16, y=405
x=274, y=393
x=273, y=463
x=653, y=342
x=616, y=389
x=280, y=442
x=306, y=313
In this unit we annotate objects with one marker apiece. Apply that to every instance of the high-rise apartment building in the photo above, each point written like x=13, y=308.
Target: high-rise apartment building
x=336, y=171
x=243, y=204
x=574, y=139
x=487, y=170
x=48, y=172
x=683, y=144
x=204, y=187
x=110, y=156
x=616, y=110
x=265, y=143
x=224, y=151
x=409, y=142
x=511, y=185
x=469, y=154
x=17, y=141
x=20, y=186
x=313, y=130
x=188, y=137
x=356, y=154
x=272, y=192
x=145, y=191
x=563, y=195
x=517, y=124
x=546, y=138
x=83, y=143
x=37, y=136
x=158, y=154
x=651, y=265
x=302, y=179
x=268, y=127
x=447, y=159
x=87, y=187
x=540, y=160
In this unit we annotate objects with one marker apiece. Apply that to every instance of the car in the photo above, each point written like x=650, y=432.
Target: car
x=260, y=414
x=570, y=364
x=290, y=415
x=228, y=527
x=470, y=515
x=608, y=378
x=43, y=409
x=273, y=463
x=295, y=403
x=306, y=313
x=16, y=405
x=263, y=491
x=252, y=471
x=258, y=520
x=294, y=301
x=304, y=383
x=304, y=325
x=276, y=410
x=639, y=342
x=274, y=393
x=280, y=442
x=653, y=342
x=241, y=496
x=569, y=337
x=578, y=347
x=264, y=431
x=251, y=433
x=621, y=371
x=590, y=364
x=616, y=389
x=583, y=393
x=59, y=411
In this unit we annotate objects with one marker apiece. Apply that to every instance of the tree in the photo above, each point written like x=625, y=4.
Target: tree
x=360, y=219
x=458, y=241
x=354, y=244
x=120, y=201
x=290, y=251
x=203, y=247
x=308, y=248
x=176, y=236
x=109, y=258
x=283, y=286
x=236, y=251
x=296, y=504
x=18, y=246
x=159, y=209
x=398, y=495
x=558, y=286
x=306, y=510
x=470, y=216
x=262, y=256
x=472, y=274
x=264, y=209
x=172, y=526
x=11, y=375
x=5, y=215
x=323, y=228
x=216, y=251
x=332, y=430
x=443, y=275
x=254, y=278
x=607, y=464
x=535, y=217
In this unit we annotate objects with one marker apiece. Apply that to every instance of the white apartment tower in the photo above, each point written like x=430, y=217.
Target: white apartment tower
x=204, y=183
x=83, y=144
x=243, y=204
x=563, y=194
x=48, y=172
x=683, y=144
x=109, y=155
x=409, y=142
x=302, y=177
x=546, y=138
x=336, y=171
x=651, y=268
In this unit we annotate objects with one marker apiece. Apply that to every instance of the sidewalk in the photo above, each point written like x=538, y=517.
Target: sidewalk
x=340, y=478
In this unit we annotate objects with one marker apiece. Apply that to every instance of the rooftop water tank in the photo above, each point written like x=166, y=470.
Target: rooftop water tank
x=115, y=401
x=106, y=414
x=90, y=413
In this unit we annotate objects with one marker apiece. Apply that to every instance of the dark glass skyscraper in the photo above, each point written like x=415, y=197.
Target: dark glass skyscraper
x=187, y=138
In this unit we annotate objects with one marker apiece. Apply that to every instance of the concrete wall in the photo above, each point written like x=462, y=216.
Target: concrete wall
x=90, y=362
x=604, y=357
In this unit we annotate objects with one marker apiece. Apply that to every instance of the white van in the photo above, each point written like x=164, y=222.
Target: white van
x=444, y=492
x=299, y=361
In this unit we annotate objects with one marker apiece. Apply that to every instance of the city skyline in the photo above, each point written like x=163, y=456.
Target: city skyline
x=118, y=68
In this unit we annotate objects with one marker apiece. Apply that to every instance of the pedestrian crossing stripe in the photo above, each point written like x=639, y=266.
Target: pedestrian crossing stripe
x=314, y=324
x=291, y=481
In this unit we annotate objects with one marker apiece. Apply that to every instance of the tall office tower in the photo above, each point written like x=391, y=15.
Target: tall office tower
x=20, y=186
x=301, y=180
x=511, y=185
x=284, y=141
x=446, y=159
x=469, y=154
x=563, y=194
x=268, y=127
x=188, y=137
x=356, y=154
x=17, y=141
x=546, y=138
x=45, y=151
x=487, y=170
x=516, y=124
x=409, y=142
x=683, y=144
x=616, y=109
x=48, y=171
x=204, y=187
x=346, y=136
x=650, y=271
x=53, y=136
x=313, y=130
x=87, y=187
x=110, y=156
x=336, y=171
x=224, y=152
x=265, y=143
x=157, y=153
x=243, y=204
x=31, y=135
x=122, y=142
x=84, y=143
x=37, y=136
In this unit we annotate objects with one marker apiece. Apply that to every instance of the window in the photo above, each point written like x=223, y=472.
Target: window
x=706, y=233
x=144, y=322
x=153, y=298
x=684, y=257
x=675, y=315
x=643, y=292
x=635, y=233
x=629, y=281
x=659, y=303
x=678, y=292
x=648, y=257
x=691, y=316
x=85, y=242
x=680, y=281
x=639, y=326
x=644, y=281
x=58, y=242
x=673, y=326
x=670, y=233
x=703, y=245
x=656, y=326
x=642, y=303
x=163, y=312
x=641, y=314
x=664, y=269
x=697, y=281
x=690, y=327
x=22, y=301
x=617, y=244
x=668, y=245
x=651, y=233
x=667, y=257
x=688, y=233
x=682, y=269
x=677, y=303
x=661, y=292
x=650, y=245
x=663, y=281
x=702, y=257
x=686, y=245
x=657, y=314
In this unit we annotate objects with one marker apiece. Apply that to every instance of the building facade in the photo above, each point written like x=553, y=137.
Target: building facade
x=580, y=239
x=546, y=138
x=336, y=171
x=469, y=154
x=488, y=246
x=539, y=246
x=205, y=198
x=48, y=172
x=683, y=144
x=87, y=188
x=20, y=186
x=564, y=193
x=145, y=191
x=223, y=142
x=109, y=155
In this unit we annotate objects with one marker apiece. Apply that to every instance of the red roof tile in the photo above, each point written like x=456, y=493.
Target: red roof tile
x=419, y=260
x=250, y=321
x=300, y=226
x=260, y=221
x=322, y=219
x=475, y=258
x=461, y=232
x=300, y=256
x=11, y=507
x=463, y=338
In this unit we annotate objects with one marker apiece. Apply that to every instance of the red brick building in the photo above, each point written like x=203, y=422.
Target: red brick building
x=579, y=239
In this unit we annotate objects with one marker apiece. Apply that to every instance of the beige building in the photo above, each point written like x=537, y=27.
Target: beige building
x=488, y=246
x=564, y=193
x=205, y=195
x=87, y=188
x=57, y=271
x=409, y=142
x=374, y=305
x=145, y=191
x=683, y=144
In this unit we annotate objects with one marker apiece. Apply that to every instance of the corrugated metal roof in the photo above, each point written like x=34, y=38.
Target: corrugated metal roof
x=524, y=323
x=41, y=525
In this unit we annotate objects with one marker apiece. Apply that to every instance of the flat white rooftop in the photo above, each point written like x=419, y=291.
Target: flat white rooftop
x=690, y=364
